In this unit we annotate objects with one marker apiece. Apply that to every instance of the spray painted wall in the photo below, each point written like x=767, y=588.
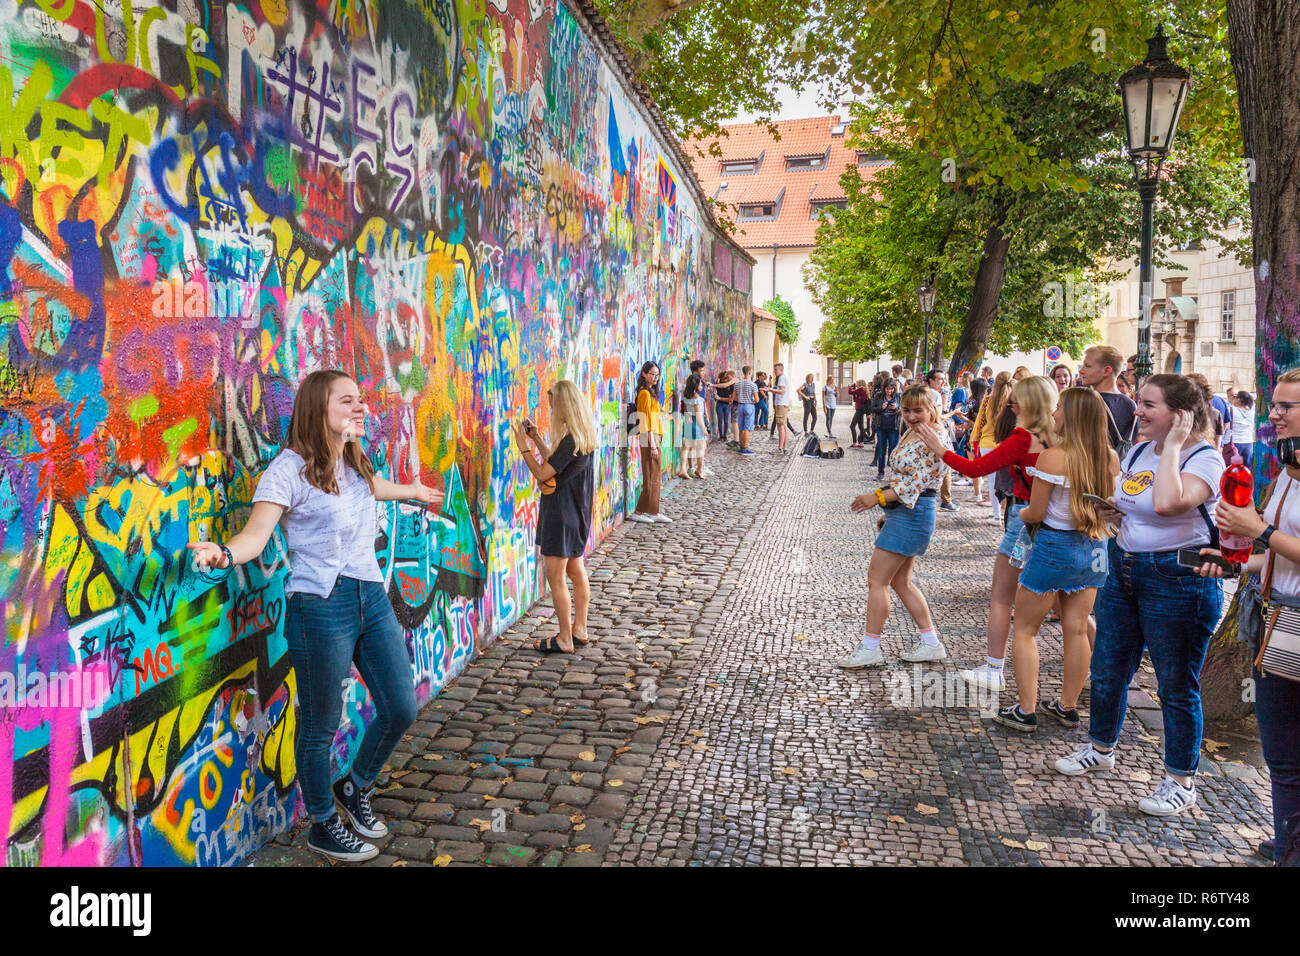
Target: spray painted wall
x=457, y=204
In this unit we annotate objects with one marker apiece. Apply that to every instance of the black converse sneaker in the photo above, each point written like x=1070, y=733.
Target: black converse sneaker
x=1016, y=719
x=334, y=841
x=355, y=804
x=1067, y=718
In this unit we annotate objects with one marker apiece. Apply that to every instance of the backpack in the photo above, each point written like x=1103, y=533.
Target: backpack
x=812, y=448
x=1124, y=443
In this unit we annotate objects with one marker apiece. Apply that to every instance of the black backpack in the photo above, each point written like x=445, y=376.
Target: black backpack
x=812, y=447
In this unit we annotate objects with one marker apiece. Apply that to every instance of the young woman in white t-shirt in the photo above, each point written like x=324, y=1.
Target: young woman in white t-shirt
x=1243, y=426
x=321, y=490
x=1277, y=700
x=1168, y=486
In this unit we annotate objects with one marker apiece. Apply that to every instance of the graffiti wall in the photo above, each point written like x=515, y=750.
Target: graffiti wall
x=456, y=202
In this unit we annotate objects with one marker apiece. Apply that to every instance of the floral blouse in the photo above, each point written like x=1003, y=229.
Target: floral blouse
x=913, y=468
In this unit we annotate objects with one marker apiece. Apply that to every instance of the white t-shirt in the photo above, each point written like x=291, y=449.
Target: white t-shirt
x=782, y=398
x=1243, y=426
x=1286, y=574
x=1144, y=530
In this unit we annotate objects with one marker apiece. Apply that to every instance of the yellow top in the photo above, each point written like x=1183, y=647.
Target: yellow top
x=982, y=433
x=651, y=415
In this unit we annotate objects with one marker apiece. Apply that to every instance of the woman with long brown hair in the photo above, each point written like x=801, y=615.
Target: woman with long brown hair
x=321, y=491
x=567, y=479
x=1068, y=555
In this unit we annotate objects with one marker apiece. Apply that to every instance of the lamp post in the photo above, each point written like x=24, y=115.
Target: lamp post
x=925, y=300
x=1154, y=92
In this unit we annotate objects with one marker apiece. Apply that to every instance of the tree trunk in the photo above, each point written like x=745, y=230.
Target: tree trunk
x=1264, y=42
x=984, y=303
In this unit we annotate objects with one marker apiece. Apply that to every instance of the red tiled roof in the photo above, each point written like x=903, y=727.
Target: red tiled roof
x=800, y=139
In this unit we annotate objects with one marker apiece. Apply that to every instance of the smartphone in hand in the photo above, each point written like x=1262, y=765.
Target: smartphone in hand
x=1101, y=502
x=1192, y=558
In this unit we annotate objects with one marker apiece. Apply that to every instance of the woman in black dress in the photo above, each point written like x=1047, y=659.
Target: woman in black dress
x=567, y=479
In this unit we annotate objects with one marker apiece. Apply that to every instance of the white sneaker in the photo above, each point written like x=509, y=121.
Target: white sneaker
x=861, y=657
x=707, y=472
x=662, y=517
x=1084, y=759
x=921, y=651
x=989, y=678
x=1170, y=797
x=638, y=516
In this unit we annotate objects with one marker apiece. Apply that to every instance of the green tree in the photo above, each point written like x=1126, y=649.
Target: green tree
x=787, y=326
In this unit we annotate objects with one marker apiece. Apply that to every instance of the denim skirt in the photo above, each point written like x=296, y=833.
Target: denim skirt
x=1066, y=561
x=907, y=531
x=1014, y=524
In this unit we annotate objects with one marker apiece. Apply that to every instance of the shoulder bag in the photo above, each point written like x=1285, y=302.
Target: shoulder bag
x=1279, y=645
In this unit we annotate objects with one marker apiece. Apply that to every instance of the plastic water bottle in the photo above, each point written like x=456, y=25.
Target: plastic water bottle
x=1236, y=487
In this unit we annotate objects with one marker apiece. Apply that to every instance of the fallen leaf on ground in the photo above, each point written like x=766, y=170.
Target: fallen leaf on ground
x=399, y=774
x=622, y=750
x=1013, y=843
x=712, y=684
x=685, y=640
x=1035, y=845
x=1220, y=757
x=672, y=765
x=575, y=777
x=526, y=711
x=925, y=809
x=1024, y=782
x=587, y=755
x=481, y=824
x=398, y=863
x=700, y=733
x=824, y=700
x=868, y=774
x=700, y=747
x=1140, y=776
x=488, y=797
x=442, y=860
x=1212, y=745
x=800, y=637
x=584, y=848
x=576, y=818
x=579, y=826
x=616, y=783
x=894, y=818
x=1148, y=738
x=790, y=771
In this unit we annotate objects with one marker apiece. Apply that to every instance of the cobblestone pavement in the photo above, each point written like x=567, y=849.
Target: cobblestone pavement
x=708, y=723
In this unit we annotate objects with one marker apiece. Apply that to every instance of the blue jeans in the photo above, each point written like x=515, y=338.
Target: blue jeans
x=886, y=442
x=326, y=635
x=761, y=413
x=724, y=419
x=1150, y=601
x=1277, y=708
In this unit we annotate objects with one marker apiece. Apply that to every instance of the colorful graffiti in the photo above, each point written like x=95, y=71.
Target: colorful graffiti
x=457, y=203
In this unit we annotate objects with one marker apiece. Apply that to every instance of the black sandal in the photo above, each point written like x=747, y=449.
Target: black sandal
x=551, y=646
x=580, y=641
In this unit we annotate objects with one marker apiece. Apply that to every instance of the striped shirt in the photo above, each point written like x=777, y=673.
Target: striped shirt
x=746, y=391
x=329, y=536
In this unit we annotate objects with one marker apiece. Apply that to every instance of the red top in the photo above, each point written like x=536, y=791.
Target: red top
x=1013, y=451
x=860, y=397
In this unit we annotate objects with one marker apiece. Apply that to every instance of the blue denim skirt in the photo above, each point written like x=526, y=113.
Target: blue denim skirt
x=1012, y=532
x=907, y=531
x=1066, y=561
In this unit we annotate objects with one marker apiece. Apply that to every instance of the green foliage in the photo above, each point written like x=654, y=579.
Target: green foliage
x=927, y=215
x=787, y=326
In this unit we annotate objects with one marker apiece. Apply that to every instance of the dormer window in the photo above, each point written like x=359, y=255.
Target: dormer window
x=821, y=204
x=806, y=162
x=866, y=158
x=733, y=167
x=758, y=210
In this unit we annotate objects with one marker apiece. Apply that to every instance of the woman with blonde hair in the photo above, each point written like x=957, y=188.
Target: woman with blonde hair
x=320, y=490
x=904, y=534
x=1068, y=555
x=1032, y=401
x=567, y=479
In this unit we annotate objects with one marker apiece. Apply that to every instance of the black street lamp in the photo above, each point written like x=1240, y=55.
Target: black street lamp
x=1154, y=92
x=925, y=300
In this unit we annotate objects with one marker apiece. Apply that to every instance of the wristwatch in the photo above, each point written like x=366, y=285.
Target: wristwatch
x=1265, y=535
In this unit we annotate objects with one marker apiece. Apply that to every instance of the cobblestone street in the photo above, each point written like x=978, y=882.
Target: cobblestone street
x=708, y=723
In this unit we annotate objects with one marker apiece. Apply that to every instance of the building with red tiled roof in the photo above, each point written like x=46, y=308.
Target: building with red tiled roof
x=775, y=189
